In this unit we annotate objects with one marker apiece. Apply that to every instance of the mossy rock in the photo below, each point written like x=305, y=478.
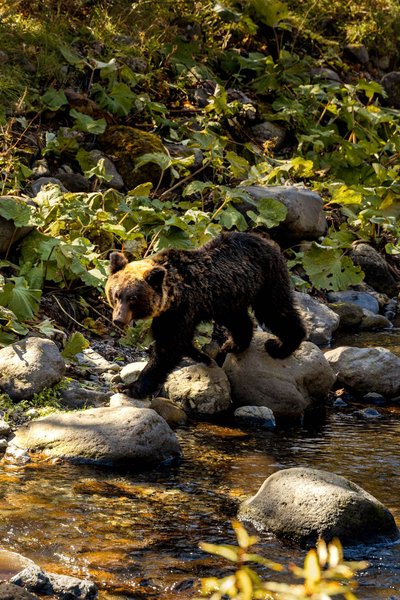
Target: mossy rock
x=124, y=145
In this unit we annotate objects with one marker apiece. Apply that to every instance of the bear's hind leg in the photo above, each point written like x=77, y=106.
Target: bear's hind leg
x=278, y=312
x=240, y=327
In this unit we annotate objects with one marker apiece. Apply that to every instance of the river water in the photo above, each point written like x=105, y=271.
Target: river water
x=137, y=535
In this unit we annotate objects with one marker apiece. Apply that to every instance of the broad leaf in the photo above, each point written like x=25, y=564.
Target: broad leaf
x=54, y=99
x=17, y=296
x=87, y=124
x=271, y=212
x=75, y=344
x=328, y=269
x=16, y=210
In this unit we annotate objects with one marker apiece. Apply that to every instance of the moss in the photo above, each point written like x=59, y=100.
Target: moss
x=125, y=144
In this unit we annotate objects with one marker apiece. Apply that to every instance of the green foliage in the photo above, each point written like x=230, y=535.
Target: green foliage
x=342, y=141
x=75, y=344
x=324, y=574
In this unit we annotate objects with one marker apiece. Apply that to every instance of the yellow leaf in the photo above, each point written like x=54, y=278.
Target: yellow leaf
x=244, y=584
x=312, y=569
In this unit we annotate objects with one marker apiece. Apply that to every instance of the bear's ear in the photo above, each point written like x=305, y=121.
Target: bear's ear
x=155, y=278
x=117, y=262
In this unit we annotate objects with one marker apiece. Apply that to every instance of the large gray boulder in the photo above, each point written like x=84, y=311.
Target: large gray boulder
x=366, y=369
x=301, y=505
x=30, y=366
x=305, y=219
x=199, y=389
x=320, y=320
x=288, y=387
x=134, y=436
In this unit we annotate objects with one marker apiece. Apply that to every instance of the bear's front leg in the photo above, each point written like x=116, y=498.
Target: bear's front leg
x=162, y=361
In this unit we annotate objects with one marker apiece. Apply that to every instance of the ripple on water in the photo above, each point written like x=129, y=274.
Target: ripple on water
x=137, y=535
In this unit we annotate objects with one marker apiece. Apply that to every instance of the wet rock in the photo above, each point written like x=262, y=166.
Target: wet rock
x=9, y=591
x=42, y=181
x=391, y=85
x=305, y=219
x=168, y=410
x=30, y=366
x=339, y=403
x=9, y=233
x=362, y=299
x=374, y=398
x=116, y=182
x=121, y=399
x=268, y=132
x=199, y=389
x=255, y=416
x=368, y=413
x=390, y=309
x=3, y=444
x=350, y=314
x=301, y=505
x=75, y=396
x=105, y=436
x=372, y=321
x=357, y=53
x=319, y=319
x=69, y=588
x=376, y=270
x=125, y=145
x=366, y=370
x=34, y=579
x=288, y=387
x=130, y=373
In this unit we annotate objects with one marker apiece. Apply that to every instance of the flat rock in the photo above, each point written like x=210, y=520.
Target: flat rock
x=361, y=299
x=366, y=369
x=30, y=366
x=301, y=505
x=107, y=436
x=288, y=387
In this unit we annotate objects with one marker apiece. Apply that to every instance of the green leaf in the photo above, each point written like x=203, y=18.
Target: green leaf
x=270, y=12
x=197, y=187
x=345, y=195
x=143, y=189
x=328, y=269
x=271, y=212
x=54, y=99
x=230, y=217
x=159, y=158
x=87, y=124
x=226, y=14
x=238, y=164
x=75, y=344
x=17, y=296
x=16, y=210
x=119, y=100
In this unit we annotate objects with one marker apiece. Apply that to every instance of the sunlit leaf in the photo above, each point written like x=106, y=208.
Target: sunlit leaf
x=75, y=344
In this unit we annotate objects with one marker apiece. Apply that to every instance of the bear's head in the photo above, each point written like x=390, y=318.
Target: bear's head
x=135, y=290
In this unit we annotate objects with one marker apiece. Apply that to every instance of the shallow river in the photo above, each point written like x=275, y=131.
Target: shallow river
x=137, y=535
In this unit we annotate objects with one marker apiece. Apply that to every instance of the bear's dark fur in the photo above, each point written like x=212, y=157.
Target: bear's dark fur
x=219, y=282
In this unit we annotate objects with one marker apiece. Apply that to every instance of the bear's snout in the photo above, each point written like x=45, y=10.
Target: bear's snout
x=122, y=316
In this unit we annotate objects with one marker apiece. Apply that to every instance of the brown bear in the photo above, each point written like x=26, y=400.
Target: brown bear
x=216, y=282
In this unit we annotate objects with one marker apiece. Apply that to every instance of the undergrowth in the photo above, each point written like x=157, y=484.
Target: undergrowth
x=66, y=80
